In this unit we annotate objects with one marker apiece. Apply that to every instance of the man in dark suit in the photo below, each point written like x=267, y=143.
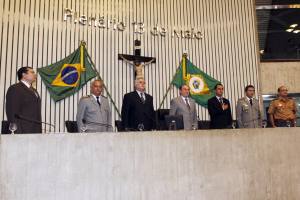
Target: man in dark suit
x=23, y=103
x=137, y=109
x=219, y=110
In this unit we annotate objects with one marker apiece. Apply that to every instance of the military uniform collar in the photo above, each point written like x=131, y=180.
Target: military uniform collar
x=94, y=96
x=283, y=99
x=248, y=99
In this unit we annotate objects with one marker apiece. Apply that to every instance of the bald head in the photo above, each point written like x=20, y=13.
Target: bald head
x=282, y=91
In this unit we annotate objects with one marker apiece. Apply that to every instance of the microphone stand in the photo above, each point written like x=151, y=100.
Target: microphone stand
x=33, y=120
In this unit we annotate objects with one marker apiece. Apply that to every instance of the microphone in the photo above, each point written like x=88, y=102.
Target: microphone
x=96, y=123
x=130, y=129
x=32, y=120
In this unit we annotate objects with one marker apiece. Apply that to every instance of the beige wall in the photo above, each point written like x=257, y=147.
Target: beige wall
x=197, y=165
x=274, y=74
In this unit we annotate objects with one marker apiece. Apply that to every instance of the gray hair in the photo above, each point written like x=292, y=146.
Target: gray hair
x=97, y=80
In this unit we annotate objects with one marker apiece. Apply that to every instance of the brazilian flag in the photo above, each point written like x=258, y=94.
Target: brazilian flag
x=201, y=84
x=68, y=75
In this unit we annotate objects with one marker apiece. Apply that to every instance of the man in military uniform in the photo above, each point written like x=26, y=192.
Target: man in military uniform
x=248, y=111
x=94, y=112
x=282, y=110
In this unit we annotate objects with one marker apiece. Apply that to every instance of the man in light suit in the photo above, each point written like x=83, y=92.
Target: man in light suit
x=248, y=111
x=185, y=106
x=94, y=111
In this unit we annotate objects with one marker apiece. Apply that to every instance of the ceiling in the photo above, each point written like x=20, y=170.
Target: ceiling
x=274, y=20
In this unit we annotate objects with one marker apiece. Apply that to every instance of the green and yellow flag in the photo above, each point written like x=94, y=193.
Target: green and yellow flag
x=68, y=75
x=201, y=84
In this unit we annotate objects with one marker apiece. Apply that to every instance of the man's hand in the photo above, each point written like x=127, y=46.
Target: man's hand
x=225, y=106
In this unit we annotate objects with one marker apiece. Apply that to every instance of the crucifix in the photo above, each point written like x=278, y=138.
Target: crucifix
x=138, y=61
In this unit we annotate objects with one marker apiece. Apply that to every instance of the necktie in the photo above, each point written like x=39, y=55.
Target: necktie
x=221, y=100
x=251, y=102
x=34, y=91
x=98, y=102
x=187, y=103
x=142, y=98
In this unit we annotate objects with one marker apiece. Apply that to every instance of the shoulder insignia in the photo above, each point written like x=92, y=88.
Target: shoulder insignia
x=275, y=99
x=84, y=97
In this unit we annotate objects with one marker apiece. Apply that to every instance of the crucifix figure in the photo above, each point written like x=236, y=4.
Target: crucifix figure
x=137, y=60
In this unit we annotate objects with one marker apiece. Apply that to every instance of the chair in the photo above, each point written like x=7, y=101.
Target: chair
x=5, y=127
x=178, y=119
x=160, y=119
x=235, y=124
x=119, y=125
x=268, y=118
x=203, y=124
x=71, y=126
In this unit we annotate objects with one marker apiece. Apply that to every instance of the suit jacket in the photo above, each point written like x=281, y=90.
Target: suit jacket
x=219, y=118
x=135, y=112
x=97, y=118
x=179, y=107
x=23, y=101
x=248, y=116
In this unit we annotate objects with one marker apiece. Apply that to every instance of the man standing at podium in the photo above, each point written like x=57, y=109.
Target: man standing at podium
x=185, y=106
x=94, y=113
x=219, y=110
x=23, y=103
x=137, y=109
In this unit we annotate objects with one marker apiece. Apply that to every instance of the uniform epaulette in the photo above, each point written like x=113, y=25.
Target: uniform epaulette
x=84, y=97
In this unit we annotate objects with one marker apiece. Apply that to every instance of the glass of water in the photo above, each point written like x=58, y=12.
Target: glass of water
x=172, y=125
x=194, y=127
x=140, y=127
x=12, y=127
x=83, y=128
x=264, y=124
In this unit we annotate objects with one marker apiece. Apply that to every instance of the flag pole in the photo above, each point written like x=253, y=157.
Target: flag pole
x=165, y=96
x=99, y=77
x=170, y=85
